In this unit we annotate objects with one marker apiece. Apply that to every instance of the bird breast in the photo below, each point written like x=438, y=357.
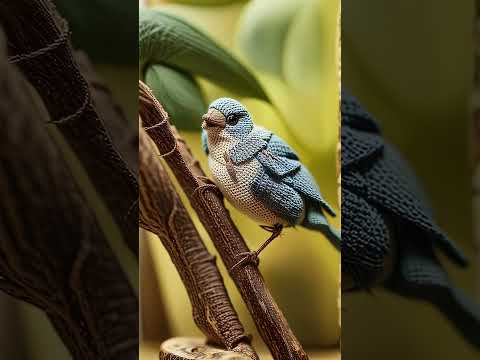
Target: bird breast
x=238, y=191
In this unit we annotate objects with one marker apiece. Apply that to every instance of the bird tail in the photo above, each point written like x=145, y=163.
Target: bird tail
x=315, y=220
x=420, y=275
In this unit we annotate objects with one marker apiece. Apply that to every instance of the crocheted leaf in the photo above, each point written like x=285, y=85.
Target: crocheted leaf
x=179, y=94
x=169, y=40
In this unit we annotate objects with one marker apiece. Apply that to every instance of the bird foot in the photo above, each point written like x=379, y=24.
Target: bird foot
x=276, y=230
x=251, y=257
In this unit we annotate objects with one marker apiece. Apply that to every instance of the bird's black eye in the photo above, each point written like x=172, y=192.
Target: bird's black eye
x=232, y=119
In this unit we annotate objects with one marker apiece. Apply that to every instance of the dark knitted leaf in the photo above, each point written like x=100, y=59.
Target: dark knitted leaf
x=179, y=94
x=168, y=40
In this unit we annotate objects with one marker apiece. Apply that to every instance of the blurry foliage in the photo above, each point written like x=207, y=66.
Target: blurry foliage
x=301, y=268
x=97, y=23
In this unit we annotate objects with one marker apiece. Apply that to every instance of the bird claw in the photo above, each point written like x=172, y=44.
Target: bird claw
x=275, y=229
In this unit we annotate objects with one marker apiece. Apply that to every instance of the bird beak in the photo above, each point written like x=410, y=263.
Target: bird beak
x=213, y=118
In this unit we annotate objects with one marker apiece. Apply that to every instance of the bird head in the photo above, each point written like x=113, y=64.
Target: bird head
x=228, y=116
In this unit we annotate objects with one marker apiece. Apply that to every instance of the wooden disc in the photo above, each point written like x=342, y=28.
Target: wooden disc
x=186, y=348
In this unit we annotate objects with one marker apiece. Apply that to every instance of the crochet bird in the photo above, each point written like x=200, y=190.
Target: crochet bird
x=387, y=223
x=260, y=174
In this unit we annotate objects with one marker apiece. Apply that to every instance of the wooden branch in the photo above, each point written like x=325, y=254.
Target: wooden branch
x=162, y=212
x=123, y=134
x=39, y=43
x=207, y=202
x=52, y=252
x=195, y=349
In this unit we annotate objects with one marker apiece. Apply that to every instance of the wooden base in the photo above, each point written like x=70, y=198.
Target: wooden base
x=185, y=348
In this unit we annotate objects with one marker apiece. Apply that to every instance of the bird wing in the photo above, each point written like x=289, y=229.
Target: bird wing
x=205, y=141
x=363, y=255
x=388, y=182
x=284, y=185
x=355, y=116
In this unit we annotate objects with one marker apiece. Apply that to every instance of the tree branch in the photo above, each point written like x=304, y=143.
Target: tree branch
x=162, y=212
x=52, y=251
x=207, y=202
x=39, y=44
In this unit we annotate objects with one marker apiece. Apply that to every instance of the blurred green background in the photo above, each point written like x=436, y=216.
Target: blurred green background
x=292, y=49
x=411, y=65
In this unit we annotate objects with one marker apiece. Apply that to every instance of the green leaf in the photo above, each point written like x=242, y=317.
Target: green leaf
x=169, y=40
x=179, y=94
x=262, y=32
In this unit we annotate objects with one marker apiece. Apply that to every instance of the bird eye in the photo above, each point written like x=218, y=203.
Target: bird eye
x=232, y=119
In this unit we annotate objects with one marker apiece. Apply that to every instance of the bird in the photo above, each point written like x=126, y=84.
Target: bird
x=390, y=237
x=261, y=175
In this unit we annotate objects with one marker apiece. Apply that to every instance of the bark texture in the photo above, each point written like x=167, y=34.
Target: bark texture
x=52, y=251
x=39, y=44
x=207, y=201
x=162, y=212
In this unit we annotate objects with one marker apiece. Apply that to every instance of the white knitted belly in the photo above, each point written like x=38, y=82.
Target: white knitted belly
x=239, y=193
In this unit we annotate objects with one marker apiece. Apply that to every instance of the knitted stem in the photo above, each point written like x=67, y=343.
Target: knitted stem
x=207, y=202
x=162, y=212
x=39, y=44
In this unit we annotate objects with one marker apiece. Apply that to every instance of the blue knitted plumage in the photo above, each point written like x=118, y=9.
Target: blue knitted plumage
x=260, y=173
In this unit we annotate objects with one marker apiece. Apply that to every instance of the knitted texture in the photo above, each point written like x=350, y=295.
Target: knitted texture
x=374, y=171
x=382, y=202
x=261, y=175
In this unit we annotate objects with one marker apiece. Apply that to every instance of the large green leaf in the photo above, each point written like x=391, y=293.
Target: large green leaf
x=180, y=95
x=263, y=30
x=169, y=40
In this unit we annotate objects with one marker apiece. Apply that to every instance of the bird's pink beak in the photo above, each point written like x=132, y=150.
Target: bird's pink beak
x=213, y=118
